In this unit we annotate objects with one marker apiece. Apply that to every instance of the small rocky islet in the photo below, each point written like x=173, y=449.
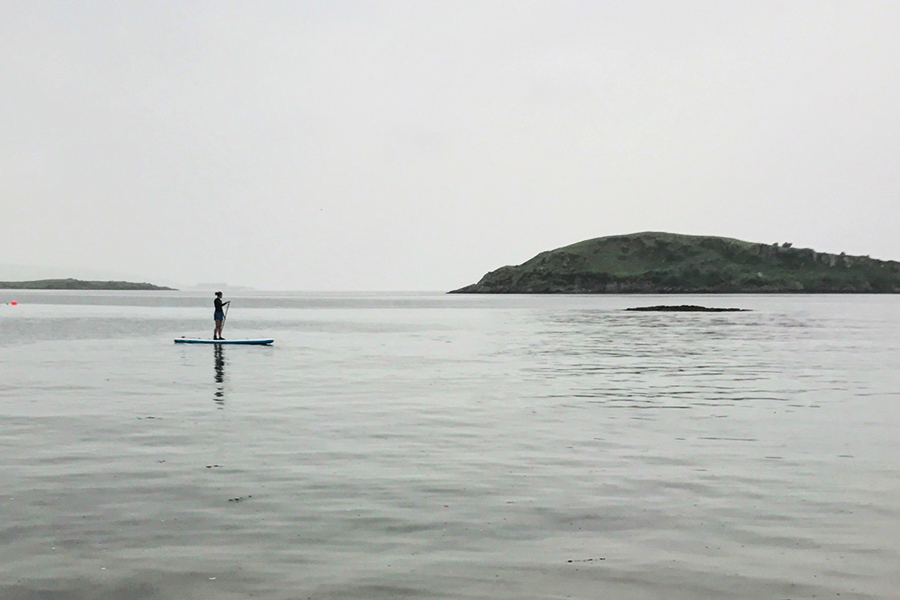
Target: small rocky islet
x=667, y=263
x=684, y=308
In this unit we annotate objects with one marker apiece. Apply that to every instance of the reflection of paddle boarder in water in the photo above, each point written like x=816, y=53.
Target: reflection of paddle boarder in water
x=219, y=316
x=219, y=355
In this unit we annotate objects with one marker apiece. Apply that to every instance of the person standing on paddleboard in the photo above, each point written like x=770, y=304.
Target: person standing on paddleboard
x=219, y=316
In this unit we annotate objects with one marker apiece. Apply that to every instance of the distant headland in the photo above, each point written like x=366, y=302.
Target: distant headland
x=667, y=263
x=77, y=284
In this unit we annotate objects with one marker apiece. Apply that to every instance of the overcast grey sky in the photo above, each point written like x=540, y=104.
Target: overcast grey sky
x=415, y=145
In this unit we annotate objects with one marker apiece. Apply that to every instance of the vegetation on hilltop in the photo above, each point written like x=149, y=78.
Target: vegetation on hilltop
x=666, y=263
x=77, y=284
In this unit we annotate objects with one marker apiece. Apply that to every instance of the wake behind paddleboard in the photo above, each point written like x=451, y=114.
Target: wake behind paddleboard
x=223, y=342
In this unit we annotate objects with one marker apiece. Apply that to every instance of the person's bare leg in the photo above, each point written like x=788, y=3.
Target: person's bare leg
x=217, y=332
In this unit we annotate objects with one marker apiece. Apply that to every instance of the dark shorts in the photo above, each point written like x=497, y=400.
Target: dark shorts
x=219, y=316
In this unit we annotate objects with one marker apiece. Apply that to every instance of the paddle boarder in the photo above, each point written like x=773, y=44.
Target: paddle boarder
x=219, y=316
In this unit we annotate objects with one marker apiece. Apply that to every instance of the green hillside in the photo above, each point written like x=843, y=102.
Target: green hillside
x=658, y=263
x=77, y=284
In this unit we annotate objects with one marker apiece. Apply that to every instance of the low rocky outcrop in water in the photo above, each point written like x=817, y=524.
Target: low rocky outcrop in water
x=684, y=308
x=666, y=263
x=77, y=284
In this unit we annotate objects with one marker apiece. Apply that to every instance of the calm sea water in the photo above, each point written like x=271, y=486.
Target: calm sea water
x=432, y=446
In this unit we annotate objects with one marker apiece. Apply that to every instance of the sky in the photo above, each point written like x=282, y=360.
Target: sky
x=415, y=145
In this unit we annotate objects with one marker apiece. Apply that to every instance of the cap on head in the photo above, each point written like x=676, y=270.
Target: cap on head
x=218, y=293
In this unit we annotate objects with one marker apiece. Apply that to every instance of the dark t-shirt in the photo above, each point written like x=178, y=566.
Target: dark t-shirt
x=218, y=304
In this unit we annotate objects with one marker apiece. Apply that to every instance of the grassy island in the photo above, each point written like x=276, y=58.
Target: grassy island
x=666, y=263
x=77, y=284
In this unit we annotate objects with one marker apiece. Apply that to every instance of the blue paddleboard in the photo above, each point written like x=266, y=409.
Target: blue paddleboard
x=223, y=342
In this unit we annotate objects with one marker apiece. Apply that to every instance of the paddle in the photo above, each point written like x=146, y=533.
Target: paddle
x=225, y=314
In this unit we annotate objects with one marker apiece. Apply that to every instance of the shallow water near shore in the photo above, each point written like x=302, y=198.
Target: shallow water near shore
x=434, y=446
